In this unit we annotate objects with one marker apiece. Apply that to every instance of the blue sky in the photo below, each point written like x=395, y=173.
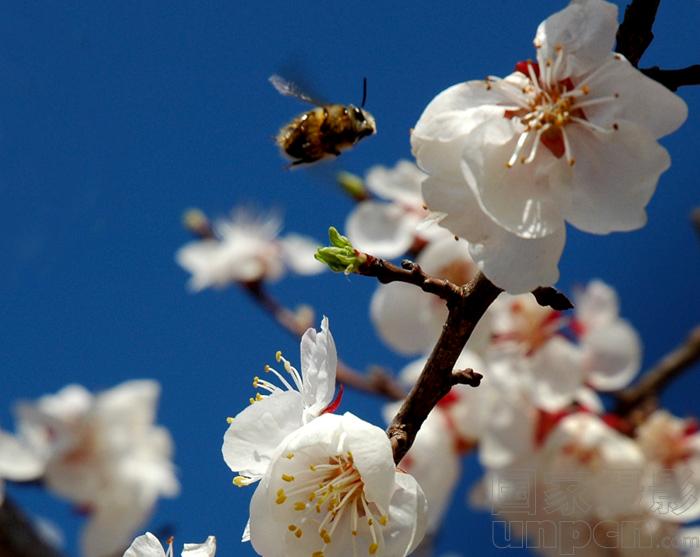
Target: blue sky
x=117, y=116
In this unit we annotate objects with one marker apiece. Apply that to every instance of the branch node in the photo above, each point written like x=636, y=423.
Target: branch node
x=467, y=377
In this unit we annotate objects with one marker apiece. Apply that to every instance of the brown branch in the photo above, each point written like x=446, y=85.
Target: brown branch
x=438, y=377
x=377, y=382
x=673, y=79
x=411, y=273
x=18, y=538
x=635, y=32
x=548, y=296
x=644, y=393
x=695, y=219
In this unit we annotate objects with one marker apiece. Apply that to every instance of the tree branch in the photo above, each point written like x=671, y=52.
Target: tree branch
x=635, y=32
x=18, y=538
x=653, y=382
x=377, y=382
x=437, y=377
x=673, y=79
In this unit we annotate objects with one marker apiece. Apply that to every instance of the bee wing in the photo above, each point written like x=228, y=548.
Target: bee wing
x=289, y=89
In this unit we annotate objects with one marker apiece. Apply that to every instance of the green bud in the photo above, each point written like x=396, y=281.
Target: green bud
x=340, y=256
x=352, y=184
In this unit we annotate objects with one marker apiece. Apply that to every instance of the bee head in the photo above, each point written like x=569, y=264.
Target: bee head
x=362, y=120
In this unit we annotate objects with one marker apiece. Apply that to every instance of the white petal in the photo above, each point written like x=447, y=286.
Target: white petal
x=585, y=29
x=204, y=549
x=640, y=99
x=596, y=305
x=439, y=259
x=518, y=265
x=371, y=452
x=614, y=177
x=245, y=537
x=517, y=198
x=255, y=433
x=111, y=526
x=319, y=362
x=145, y=546
x=438, y=144
x=464, y=217
x=17, y=461
x=406, y=318
x=266, y=534
x=401, y=183
x=613, y=355
x=590, y=400
x=557, y=374
x=381, y=229
x=298, y=252
x=408, y=517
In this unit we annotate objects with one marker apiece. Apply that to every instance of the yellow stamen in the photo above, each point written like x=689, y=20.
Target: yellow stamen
x=281, y=497
x=287, y=477
x=373, y=548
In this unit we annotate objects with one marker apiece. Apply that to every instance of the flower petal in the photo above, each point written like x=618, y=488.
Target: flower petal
x=382, y=229
x=298, y=253
x=408, y=517
x=17, y=461
x=613, y=355
x=319, y=362
x=557, y=374
x=406, y=318
x=400, y=184
x=518, y=198
x=371, y=452
x=614, y=177
x=586, y=31
x=255, y=433
x=204, y=549
x=145, y=546
x=518, y=265
x=640, y=99
x=596, y=305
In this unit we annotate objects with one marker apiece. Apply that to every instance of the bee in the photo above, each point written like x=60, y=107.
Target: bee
x=323, y=131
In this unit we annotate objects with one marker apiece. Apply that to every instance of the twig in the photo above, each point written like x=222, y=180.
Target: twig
x=378, y=382
x=18, y=538
x=548, y=296
x=673, y=79
x=411, y=273
x=635, y=32
x=644, y=393
x=437, y=377
x=695, y=219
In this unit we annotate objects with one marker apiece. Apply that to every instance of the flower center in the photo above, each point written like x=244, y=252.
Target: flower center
x=532, y=326
x=331, y=492
x=547, y=104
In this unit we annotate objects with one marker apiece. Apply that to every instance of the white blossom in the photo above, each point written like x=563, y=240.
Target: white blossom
x=255, y=432
x=246, y=248
x=149, y=546
x=103, y=453
x=389, y=228
x=672, y=447
x=332, y=490
x=572, y=137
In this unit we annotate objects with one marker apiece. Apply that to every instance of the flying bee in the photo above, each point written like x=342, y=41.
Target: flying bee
x=323, y=131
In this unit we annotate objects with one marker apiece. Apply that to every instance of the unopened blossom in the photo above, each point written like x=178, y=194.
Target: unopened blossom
x=410, y=320
x=105, y=454
x=390, y=228
x=149, y=546
x=17, y=462
x=672, y=447
x=255, y=432
x=246, y=248
x=570, y=137
x=332, y=490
